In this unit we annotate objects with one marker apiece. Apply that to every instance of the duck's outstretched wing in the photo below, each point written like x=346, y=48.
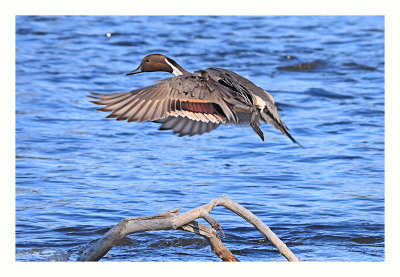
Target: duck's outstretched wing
x=200, y=101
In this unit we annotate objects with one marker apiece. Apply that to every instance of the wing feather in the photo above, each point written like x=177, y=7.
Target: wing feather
x=187, y=128
x=122, y=110
x=116, y=105
x=150, y=110
x=196, y=128
x=126, y=112
x=137, y=116
x=106, y=96
x=160, y=110
x=169, y=123
x=203, y=127
x=178, y=125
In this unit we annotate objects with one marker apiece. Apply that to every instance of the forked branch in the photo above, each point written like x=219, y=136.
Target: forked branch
x=186, y=222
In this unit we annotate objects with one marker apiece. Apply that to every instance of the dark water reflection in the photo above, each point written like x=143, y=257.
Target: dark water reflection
x=77, y=173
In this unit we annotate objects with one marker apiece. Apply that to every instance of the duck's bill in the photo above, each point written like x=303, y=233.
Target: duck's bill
x=136, y=71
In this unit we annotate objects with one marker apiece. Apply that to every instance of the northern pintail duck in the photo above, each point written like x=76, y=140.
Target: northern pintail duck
x=193, y=103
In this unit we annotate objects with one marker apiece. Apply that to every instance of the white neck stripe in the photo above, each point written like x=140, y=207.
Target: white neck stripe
x=175, y=70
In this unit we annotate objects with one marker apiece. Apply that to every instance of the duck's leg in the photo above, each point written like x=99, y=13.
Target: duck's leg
x=255, y=123
x=244, y=108
x=255, y=117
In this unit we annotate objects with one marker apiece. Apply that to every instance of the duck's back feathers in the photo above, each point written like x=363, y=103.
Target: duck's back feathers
x=247, y=92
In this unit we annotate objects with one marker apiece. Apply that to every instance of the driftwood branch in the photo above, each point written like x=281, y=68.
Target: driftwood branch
x=213, y=239
x=186, y=222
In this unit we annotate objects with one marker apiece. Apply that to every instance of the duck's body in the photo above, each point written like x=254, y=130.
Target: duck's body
x=194, y=103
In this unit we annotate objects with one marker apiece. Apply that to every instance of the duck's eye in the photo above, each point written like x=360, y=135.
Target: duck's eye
x=147, y=61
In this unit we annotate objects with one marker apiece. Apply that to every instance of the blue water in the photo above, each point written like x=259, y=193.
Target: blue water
x=78, y=174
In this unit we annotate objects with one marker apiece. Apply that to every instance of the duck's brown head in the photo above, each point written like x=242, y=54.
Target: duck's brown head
x=158, y=62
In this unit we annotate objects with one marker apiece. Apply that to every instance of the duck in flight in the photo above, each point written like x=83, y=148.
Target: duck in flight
x=193, y=103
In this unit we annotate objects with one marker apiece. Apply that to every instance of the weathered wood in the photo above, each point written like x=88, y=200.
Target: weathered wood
x=125, y=227
x=213, y=239
x=260, y=226
x=186, y=222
